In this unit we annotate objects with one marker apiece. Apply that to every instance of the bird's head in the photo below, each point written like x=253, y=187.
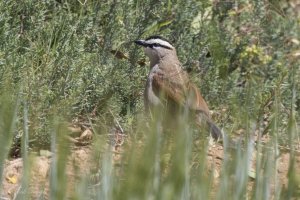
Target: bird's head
x=156, y=47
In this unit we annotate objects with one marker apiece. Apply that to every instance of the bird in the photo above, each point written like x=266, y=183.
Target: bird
x=168, y=87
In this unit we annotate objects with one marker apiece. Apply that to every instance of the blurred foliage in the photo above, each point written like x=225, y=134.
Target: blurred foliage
x=64, y=56
x=63, y=60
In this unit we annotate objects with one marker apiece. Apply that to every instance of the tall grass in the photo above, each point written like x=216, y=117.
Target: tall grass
x=56, y=66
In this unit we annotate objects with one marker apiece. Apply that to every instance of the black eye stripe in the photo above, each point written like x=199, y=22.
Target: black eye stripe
x=158, y=45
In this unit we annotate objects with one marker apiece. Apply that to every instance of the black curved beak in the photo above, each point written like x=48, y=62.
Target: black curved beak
x=140, y=42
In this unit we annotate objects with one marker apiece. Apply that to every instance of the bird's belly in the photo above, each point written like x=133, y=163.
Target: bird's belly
x=151, y=100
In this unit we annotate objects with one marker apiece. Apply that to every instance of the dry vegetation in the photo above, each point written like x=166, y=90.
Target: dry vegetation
x=71, y=105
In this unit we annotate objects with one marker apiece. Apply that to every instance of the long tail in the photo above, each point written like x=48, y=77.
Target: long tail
x=215, y=131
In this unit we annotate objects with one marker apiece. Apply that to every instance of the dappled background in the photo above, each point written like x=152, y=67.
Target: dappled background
x=75, y=63
x=58, y=56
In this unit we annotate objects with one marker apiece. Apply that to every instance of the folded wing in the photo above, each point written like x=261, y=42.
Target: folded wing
x=178, y=88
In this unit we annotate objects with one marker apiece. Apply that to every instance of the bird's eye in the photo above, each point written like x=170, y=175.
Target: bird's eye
x=151, y=45
x=154, y=45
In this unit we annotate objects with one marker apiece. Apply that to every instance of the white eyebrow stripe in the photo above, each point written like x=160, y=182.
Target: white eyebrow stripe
x=159, y=41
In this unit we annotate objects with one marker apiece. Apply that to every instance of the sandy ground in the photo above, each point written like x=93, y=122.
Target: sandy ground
x=79, y=161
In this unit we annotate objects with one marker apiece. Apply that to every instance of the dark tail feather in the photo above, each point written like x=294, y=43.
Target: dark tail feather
x=215, y=132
